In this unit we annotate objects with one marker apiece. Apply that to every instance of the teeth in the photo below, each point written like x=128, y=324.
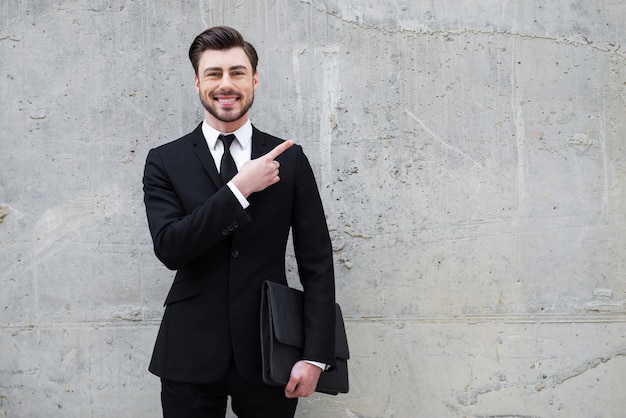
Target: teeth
x=227, y=100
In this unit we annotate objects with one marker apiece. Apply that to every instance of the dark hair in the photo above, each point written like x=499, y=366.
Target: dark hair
x=220, y=38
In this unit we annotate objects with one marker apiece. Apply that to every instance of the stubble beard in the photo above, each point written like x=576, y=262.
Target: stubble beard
x=226, y=116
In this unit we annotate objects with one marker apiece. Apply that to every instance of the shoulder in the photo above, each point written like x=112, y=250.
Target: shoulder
x=265, y=142
x=265, y=138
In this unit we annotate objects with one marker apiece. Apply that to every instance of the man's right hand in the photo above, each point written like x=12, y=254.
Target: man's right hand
x=258, y=174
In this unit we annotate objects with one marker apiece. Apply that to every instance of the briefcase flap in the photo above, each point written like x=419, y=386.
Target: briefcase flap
x=287, y=305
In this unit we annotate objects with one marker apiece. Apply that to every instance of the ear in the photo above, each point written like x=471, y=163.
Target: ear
x=255, y=80
x=196, y=83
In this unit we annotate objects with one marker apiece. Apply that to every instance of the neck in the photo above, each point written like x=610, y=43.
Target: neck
x=225, y=127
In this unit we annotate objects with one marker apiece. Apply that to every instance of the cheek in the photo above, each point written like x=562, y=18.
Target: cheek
x=204, y=89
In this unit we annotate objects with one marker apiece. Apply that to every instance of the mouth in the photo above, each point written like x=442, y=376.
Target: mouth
x=226, y=101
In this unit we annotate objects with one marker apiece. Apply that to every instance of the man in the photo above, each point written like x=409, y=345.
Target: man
x=225, y=237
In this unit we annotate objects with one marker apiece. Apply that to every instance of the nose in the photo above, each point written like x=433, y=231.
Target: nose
x=226, y=81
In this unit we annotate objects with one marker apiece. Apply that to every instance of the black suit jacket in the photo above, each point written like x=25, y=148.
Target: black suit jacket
x=223, y=253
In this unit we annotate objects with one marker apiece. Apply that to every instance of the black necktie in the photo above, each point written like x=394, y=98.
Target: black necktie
x=228, y=168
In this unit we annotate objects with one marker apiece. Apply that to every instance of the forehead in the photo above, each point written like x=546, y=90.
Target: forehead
x=227, y=58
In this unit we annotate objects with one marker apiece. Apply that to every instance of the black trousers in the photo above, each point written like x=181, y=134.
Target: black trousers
x=248, y=400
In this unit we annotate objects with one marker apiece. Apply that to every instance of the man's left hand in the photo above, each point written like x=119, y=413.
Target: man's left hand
x=303, y=380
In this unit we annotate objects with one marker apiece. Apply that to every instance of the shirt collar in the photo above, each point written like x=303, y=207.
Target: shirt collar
x=243, y=134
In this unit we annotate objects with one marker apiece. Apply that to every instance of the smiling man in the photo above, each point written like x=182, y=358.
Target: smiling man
x=221, y=202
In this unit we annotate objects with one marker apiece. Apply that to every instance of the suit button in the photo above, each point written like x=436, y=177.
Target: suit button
x=236, y=224
x=225, y=231
x=235, y=254
x=231, y=228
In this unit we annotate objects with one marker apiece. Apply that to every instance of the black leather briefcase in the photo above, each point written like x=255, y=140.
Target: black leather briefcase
x=282, y=339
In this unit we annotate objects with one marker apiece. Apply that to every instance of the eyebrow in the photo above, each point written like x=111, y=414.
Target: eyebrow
x=234, y=67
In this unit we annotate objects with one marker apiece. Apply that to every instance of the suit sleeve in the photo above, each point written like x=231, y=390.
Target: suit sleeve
x=181, y=234
x=313, y=252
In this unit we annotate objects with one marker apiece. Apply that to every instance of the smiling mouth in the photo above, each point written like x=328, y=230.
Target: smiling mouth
x=226, y=98
x=227, y=101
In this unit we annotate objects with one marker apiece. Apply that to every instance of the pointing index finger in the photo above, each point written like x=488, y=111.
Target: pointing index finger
x=279, y=149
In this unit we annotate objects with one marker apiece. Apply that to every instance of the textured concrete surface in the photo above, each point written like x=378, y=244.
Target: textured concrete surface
x=470, y=156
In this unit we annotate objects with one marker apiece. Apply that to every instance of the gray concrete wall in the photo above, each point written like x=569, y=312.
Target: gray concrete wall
x=471, y=159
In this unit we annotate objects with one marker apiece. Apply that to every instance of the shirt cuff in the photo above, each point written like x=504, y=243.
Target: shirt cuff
x=242, y=200
x=322, y=366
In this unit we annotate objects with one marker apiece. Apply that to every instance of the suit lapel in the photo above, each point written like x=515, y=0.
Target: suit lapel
x=201, y=150
x=259, y=143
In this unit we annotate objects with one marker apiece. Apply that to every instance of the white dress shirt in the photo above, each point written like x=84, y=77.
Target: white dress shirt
x=240, y=149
